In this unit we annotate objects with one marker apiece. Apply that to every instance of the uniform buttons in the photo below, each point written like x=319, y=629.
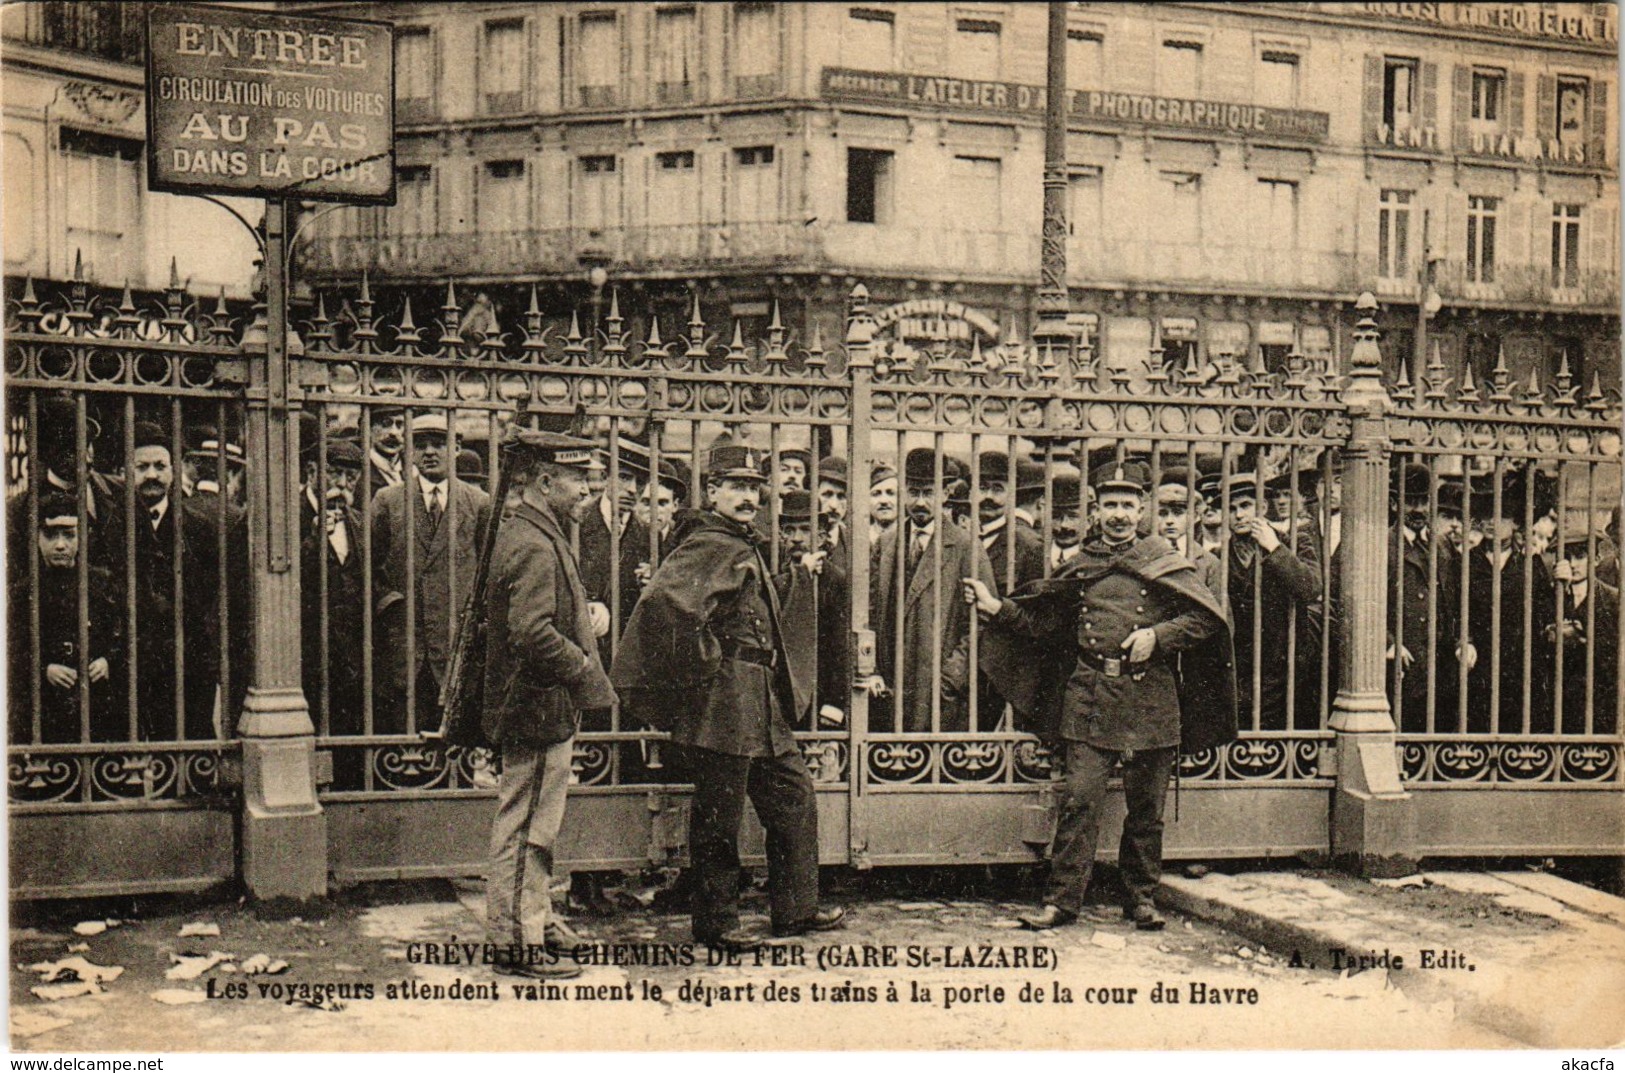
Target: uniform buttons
x=1140, y=610
x=1142, y=592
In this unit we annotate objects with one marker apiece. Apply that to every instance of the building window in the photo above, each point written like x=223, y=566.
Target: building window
x=1278, y=214
x=1182, y=207
x=677, y=55
x=104, y=215
x=868, y=186
x=1084, y=215
x=974, y=50
x=1179, y=69
x=1488, y=100
x=414, y=73
x=1394, y=234
x=755, y=184
x=977, y=193
x=1278, y=79
x=755, y=50
x=598, y=60
x=597, y=201
x=111, y=31
x=502, y=197
x=414, y=200
x=1085, y=52
x=869, y=39
x=502, y=72
x=674, y=194
x=1572, y=94
x=1398, y=93
x=678, y=160
x=1565, y=245
x=1481, y=213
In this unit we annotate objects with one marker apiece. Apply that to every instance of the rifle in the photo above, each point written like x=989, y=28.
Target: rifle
x=462, y=695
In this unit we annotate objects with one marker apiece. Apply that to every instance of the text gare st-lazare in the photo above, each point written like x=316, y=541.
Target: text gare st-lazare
x=314, y=119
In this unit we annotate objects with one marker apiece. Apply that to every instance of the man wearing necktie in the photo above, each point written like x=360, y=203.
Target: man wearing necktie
x=177, y=542
x=425, y=538
x=334, y=535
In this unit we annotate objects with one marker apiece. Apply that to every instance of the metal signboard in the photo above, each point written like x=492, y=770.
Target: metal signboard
x=259, y=104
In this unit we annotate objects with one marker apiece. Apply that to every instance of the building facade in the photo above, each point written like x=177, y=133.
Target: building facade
x=75, y=173
x=1238, y=173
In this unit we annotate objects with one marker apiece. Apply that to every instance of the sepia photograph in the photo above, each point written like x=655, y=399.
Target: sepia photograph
x=737, y=526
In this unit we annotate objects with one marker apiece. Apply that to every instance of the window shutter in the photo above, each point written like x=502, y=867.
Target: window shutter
x=1461, y=92
x=1430, y=95
x=1597, y=135
x=1515, y=104
x=1545, y=107
x=1600, y=221
x=1373, y=96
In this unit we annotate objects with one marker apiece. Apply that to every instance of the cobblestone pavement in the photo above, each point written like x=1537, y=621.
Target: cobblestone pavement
x=964, y=976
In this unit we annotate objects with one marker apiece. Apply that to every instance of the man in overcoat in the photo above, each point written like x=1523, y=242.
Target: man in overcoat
x=1273, y=586
x=1499, y=568
x=1124, y=656
x=1411, y=647
x=924, y=595
x=335, y=615
x=705, y=656
x=541, y=671
x=425, y=536
x=814, y=596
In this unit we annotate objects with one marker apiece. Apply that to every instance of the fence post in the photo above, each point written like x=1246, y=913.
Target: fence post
x=860, y=367
x=284, y=834
x=1373, y=825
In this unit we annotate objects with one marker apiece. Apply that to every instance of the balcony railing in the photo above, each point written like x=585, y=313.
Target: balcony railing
x=790, y=245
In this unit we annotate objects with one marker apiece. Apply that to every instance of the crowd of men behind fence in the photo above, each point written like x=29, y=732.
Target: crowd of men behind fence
x=128, y=546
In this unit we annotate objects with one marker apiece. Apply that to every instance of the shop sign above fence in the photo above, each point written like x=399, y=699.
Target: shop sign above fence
x=258, y=104
x=1086, y=106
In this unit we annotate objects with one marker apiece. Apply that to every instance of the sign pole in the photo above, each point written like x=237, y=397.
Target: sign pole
x=284, y=831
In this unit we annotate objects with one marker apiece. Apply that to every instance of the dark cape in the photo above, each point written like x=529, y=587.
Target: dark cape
x=670, y=657
x=1032, y=676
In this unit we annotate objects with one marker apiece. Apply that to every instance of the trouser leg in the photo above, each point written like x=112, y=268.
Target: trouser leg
x=781, y=789
x=1077, y=829
x=531, y=796
x=713, y=839
x=1139, y=853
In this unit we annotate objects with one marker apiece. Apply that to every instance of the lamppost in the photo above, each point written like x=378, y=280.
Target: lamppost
x=596, y=261
x=1053, y=303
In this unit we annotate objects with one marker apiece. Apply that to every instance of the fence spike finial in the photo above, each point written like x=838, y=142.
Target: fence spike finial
x=407, y=324
x=174, y=274
x=78, y=265
x=614, y=304
x=653, y=342
x=126, y=301
x=29, y=297
x=535, y=307
x=366, y=287
x=220, y=309
x=777, y=325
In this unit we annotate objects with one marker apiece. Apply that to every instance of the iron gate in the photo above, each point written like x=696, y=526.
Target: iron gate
x=970, y=785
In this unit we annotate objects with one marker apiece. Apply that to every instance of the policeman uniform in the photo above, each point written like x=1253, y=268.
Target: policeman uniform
x=704, y=655
x=1111, y=711
x=541, y=670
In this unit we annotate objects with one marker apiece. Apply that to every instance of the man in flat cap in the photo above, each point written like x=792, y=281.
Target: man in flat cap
x=832, y=501
x=705, y=656
x=1124, y=656
x=386, y=437
x=341, y=469
x=1274, y=592
x=915, y=573
x=882, y=502
x=541, y=671
x=439, y=518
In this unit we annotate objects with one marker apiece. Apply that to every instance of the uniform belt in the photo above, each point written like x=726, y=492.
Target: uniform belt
x=762, y=657
x=1113, y=666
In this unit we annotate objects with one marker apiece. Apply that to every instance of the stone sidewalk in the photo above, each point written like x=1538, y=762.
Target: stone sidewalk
x=1527, y=954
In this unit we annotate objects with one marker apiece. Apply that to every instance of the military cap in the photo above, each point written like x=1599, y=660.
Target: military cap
x=1173, y=485
x=880, y=472
x=832, y=468
x=344, y=452
x=428, y=424
x=1126, y=476
x=1242, y=484
x=796, y=507
x=800, y=453
x=554, y=447
x=1210, y=486
x=385, y=410
x=736, y=461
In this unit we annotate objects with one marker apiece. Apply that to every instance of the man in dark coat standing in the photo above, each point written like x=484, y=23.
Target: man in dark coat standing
x=815, y=598
x=1411, y=647
x=1131, y=664
x=333, y=609
x=541, y=671
x=1271, y=587
x=425, y=540
x=1499, y=568
x=705, y=656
